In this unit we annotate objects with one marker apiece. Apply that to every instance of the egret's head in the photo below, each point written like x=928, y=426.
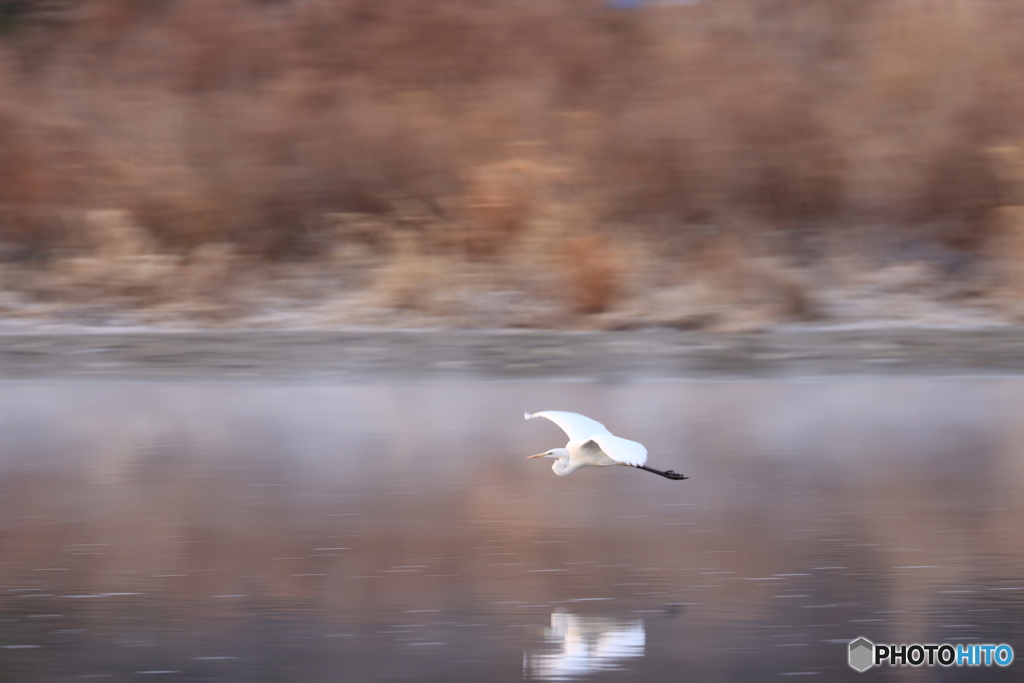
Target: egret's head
x=553, y=453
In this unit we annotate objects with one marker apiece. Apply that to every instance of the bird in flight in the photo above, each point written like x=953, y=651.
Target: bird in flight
x=590, y=443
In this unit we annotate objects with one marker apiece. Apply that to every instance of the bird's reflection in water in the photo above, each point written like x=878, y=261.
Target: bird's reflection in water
x=579, y=645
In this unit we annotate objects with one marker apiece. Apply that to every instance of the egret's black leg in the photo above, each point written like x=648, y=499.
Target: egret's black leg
x=668, y=474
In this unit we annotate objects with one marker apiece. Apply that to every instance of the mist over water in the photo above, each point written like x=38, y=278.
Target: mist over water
x=308, y=532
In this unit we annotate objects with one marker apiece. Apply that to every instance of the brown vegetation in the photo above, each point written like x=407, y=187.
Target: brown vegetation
x=410, y=146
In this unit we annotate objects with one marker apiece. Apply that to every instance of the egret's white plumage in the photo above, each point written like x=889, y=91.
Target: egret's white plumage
x=591, y=444
x=577, y=427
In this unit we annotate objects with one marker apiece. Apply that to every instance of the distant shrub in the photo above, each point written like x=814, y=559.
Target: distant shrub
x=246, y=122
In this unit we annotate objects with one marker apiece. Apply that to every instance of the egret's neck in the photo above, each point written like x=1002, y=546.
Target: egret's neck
x=563, y=465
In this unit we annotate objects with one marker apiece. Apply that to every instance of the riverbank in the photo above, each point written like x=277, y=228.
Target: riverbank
x=391, y=355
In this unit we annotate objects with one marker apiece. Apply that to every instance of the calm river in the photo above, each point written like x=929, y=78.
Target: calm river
x=386, y=532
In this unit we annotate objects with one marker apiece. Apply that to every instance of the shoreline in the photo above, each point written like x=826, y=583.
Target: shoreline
x=359, y=356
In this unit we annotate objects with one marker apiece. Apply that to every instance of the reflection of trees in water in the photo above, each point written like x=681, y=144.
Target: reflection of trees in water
x=579, y=645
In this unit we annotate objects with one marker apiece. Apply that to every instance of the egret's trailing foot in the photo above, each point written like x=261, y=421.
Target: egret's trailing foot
x=668, y=474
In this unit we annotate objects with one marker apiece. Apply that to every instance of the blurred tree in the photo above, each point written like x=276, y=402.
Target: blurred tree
x=10, y=12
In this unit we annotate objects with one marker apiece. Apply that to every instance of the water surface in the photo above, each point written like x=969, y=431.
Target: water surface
x=308, y=532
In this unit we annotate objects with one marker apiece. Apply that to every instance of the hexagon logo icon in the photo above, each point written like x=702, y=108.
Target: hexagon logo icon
x=862, y=654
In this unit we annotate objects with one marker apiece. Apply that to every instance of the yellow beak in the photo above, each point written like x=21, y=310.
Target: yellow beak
x=539, y=455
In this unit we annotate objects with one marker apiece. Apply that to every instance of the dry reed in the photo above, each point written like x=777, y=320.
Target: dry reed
x=258, y=124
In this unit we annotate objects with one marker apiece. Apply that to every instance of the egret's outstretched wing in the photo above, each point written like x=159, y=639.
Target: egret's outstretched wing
x=575, y=425
x=621, y=450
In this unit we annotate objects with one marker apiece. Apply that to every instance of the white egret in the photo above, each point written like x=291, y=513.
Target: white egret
x=590, y=443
